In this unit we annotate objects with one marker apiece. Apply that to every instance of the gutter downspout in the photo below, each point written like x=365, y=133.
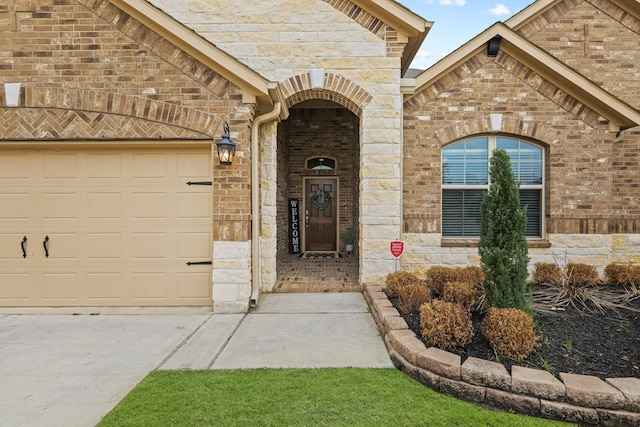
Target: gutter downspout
x=255, y=200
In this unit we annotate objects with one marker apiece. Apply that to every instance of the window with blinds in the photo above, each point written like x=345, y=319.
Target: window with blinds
x=465, y=179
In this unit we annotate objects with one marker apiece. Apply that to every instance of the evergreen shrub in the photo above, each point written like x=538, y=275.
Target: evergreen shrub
x=503, y=246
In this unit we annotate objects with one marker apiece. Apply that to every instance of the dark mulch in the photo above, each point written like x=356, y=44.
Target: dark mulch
x=572, y=341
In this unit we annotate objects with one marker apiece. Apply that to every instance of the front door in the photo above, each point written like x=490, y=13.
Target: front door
x=321, y=201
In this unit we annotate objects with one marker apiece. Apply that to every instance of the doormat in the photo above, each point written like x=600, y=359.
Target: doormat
x=320, y=254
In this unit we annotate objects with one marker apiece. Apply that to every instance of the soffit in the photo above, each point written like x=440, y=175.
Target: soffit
x=620, y=114
x=255, y=87
x=403, y=20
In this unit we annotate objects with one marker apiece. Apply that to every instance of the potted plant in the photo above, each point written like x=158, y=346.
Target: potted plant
x=348, y=238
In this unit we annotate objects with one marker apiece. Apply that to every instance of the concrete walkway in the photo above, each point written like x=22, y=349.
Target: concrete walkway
x=65, y=370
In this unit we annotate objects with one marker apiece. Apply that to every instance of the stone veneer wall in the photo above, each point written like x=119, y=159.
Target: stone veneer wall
x=269, y=196
x=574, y=398
x=283, y=40
x=422, y=251
x=231, y=276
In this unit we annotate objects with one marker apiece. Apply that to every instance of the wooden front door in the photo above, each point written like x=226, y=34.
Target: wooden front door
x=321, y=201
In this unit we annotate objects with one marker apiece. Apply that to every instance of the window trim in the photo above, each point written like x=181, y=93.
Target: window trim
x=321, y=159
x=492, y=145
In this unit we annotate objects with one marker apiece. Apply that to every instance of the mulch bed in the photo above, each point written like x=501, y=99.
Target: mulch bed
x=572, y=341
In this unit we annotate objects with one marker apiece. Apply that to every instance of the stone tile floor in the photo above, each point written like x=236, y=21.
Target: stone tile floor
x=317, y=273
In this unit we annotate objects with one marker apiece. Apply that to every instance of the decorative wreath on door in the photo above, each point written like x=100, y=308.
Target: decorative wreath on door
x=321, y=200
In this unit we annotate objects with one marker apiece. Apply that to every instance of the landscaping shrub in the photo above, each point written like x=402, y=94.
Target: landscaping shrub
x=446, y=325
x=581, y=275
x=503, y=246
x=399, y=279
x=622, y=274
x=471, y=274
x=463, y=293
x=439, y=276
x=411, y=297
x=510, y=331
x=548, y=272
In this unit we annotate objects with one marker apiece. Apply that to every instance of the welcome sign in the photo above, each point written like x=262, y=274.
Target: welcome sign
x=294, y=226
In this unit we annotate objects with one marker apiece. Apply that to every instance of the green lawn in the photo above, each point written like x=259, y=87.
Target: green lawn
x=298, y=397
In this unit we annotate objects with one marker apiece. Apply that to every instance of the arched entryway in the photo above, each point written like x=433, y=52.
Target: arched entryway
x=318, y=158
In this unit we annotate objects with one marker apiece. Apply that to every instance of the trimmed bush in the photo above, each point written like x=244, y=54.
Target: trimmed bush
x=463, y=293
x=581, y=275
x=446, y=325
x=548, y=272
x=399, y=279
x=510, y=331
x=439, y=276
x=411, y=297
x=472, y=275
x=622, y=274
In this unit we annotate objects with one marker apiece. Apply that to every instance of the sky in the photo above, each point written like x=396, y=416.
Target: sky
x=456, y=22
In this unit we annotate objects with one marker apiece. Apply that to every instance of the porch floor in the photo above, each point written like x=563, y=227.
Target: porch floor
x=317, y=273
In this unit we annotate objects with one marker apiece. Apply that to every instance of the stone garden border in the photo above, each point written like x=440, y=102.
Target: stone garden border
x=573, y=398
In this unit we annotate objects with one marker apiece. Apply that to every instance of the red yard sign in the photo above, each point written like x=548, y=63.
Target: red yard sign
x=397, y=248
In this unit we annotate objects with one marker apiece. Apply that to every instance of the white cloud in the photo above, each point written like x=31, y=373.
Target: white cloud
x=499, y=9
x=424, y=59
x=453, y=2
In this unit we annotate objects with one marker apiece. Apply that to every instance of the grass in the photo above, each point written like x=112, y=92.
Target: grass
x=298, y=397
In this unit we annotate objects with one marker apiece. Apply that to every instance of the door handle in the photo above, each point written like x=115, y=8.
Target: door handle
x=46, y=250
x=24, y=252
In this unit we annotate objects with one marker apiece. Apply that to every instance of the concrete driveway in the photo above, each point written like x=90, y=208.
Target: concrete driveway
x=63, y=370
x=71, y=370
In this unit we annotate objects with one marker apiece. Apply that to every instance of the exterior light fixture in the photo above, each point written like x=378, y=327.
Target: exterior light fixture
x=226, y=147
x=493, y=46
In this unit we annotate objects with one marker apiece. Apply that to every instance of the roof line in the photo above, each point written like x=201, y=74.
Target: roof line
x=403, y=20
x=517, y=21
x=184, y=38
x=577, y=85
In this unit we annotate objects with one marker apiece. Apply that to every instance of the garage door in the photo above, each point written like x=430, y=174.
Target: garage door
x=105, y=227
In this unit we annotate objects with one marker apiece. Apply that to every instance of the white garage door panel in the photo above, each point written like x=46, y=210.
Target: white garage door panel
x=121, y=223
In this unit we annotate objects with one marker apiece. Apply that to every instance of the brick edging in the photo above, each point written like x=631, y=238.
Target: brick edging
x=573, y=398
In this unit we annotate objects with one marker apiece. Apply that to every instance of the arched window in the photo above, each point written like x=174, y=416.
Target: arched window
x=321, y=163
x=465, y=179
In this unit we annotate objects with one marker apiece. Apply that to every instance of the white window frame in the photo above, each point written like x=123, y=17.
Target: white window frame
x=492, y=145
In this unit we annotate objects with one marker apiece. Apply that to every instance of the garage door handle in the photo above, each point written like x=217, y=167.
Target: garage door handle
x=199, y=263
x=24, y=252
x=46, y=250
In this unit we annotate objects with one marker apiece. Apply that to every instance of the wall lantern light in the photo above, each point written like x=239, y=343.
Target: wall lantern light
x=226, y=147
